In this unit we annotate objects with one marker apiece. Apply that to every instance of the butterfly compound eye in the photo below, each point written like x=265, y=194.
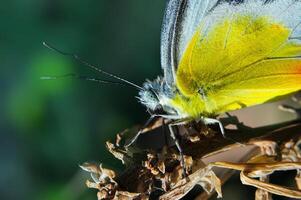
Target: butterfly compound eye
x=159, y=109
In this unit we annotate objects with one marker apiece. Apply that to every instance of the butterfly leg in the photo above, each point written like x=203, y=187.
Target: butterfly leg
x=147, y=123
x=208, y=121
x=176, y=140
x=165, y=132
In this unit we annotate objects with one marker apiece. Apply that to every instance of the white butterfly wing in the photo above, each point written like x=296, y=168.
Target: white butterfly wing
x=183, y=17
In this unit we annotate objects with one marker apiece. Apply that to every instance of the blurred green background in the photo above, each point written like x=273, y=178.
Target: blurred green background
x=49, y=127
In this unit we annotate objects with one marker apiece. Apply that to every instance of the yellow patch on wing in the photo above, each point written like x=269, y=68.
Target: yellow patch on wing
x=241, y=61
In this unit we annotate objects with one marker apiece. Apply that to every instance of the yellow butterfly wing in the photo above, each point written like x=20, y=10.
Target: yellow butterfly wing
x=243, y=60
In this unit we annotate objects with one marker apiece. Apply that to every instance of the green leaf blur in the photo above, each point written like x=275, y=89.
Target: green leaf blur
x=49, y=127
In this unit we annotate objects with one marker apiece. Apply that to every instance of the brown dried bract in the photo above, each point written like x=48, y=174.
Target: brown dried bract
x=151, y=174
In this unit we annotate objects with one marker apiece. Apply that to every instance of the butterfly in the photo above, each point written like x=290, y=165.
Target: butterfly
x=218, y=56
x=222, y=55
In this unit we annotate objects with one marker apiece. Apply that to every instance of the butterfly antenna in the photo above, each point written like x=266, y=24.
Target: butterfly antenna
x=86, y=78
x=79, y=59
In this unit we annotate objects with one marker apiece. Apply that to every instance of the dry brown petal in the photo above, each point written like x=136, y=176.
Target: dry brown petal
x=291, y=151
x=194, y=139
x=204, y=177
x=262, y=195
x=93, y=185
x=98, y=173
x=175, y=176
x=253, y=170
x=149, y=165
x=107, y=172
x=267, y=147
x=165, y=167
x=151, y=156
x=290, y=144
x=103, y=194
x=188, y=162
x=297, y=149
x=118, y=153
x=118, y=139
x=166, y=182
x=161, y=166
x=271, y=188
x=90, y=167
x=211, y=182
x=110, y=186
x=217, y=184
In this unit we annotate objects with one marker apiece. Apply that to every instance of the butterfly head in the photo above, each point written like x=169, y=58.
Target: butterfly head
x=156, y=96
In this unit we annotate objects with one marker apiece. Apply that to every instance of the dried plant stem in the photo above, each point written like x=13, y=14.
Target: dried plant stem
x=262, y=151
x=255, y=170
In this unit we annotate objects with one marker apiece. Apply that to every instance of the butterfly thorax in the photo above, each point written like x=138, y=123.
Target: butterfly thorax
x=198, y=105
x=160, y=98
